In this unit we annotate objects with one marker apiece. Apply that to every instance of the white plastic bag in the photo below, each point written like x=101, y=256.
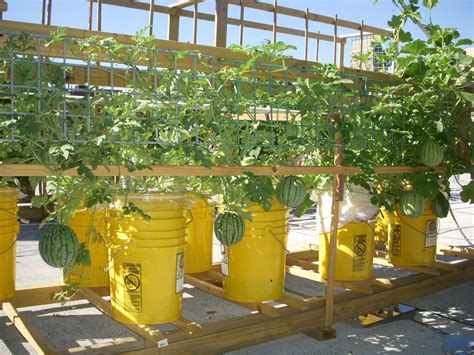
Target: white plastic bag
x=355, y=206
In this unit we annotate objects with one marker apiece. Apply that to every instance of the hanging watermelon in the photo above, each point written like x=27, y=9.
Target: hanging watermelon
x=229, y=228
x=440, y=206
x=431, y=153
x=58, y=245
x=291, y=191
x=412, y=204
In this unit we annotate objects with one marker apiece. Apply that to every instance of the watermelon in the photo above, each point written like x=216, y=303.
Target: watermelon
x=412, y=204
x=229, y=228
x=357, y=142
x=291, y=191
x=431, y=153
x=58, y=245
x=440, y=206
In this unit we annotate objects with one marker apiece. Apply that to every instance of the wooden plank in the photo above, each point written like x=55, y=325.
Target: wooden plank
x=306, y=31
x=308, y=255
x=173, y=27
x=188, y=326
x=195, y=22
x=241, y=24
x=151, y=18
x=29, y=333
x=310, y=275
x=43, y=295
x=307, y=265
x=292, y=322
x=294, y=302
x=275, y=13
x=220, y=29
x=169, y=170
x=444, y=266
x=381, y=282
x=184, y=3
x=150, y=334
x=114, y=346
x=354, y=286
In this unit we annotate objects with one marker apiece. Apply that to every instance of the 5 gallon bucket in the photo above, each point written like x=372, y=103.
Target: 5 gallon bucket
x=254, y=268
x=90, y=228
x=147, y=259
x=412, y=241
x=9, y=228
x=198, y=254
x=354, y=252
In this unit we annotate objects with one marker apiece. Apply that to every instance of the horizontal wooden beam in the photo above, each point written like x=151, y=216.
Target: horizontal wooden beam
x=282, y=10
x=186, y=170
x=184, y=3
x=184, y=63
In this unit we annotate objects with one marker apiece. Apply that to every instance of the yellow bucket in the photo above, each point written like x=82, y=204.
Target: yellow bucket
x=412, y=241
x=82, y=223
x=381, y=227
x=254, y=268
x=199, y=233
x=147, y=260
x=9, y=228
x=354, y=252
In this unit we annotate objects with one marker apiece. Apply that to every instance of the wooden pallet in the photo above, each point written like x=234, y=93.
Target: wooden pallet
x=288, y=315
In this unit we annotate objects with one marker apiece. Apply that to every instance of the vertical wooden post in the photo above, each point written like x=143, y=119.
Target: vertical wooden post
x=275, y=4
x=242, y=10
x=361, y=43
x=43, y=16
x=220, y=32
x=341, y=54
x=195, y=21
x=335, y=40
x=173, y=26
x=91, y=8
x=152, y=5
x=306, y=31
x=317, y=46
x=99, y=15
x=50, y=7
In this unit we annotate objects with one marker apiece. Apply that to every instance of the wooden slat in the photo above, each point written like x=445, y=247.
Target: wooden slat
x=184, y=3
x=354, y=286
x=173, y=27
x=168, y=170
x=307, y=265
x=381, y=282
x=294, y=302
x=29, y=333
x=188, y=326
x=420, y=269
x=308, y=255
x=113, y=346
x=310, y=275
x=151, y=18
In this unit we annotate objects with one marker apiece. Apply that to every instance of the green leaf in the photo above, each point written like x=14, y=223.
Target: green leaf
x=416, y=48
x=304, y=206
x=464, y=42
x=430, y=4
x=467, y=193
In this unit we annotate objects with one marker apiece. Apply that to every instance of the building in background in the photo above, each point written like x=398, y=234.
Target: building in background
x=370, y=60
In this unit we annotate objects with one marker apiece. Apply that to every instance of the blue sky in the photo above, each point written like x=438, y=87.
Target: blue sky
x=74, y=13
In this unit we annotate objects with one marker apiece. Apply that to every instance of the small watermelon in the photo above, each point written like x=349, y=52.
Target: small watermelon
x=412, y=204
x=58, y=245
x=440, y=206
x=291, y=191
x=431, y=153
x=229, y=228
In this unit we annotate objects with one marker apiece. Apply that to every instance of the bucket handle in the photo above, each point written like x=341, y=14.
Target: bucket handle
x=107, y=266
x=189, y=216
x=269, y=230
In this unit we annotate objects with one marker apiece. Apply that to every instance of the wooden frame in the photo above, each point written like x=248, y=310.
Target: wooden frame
x=293, y=315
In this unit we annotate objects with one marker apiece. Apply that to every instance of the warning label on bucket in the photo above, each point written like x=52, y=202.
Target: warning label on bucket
x=179, y=272
x=360, y=248
x=431, y=233
x=396, y=241
x=224, y=261
x=132, y=280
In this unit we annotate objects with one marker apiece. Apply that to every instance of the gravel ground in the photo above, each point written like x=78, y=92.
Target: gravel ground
x=442, y=322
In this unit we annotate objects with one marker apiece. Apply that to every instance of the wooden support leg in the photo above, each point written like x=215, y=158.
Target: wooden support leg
x=322, y=333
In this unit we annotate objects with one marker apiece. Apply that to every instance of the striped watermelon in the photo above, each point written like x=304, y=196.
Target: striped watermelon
x=291, y=191
x=440, y=206
x=412, y=204
x=58, y=245
x=229, y=228
x=431, y=153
